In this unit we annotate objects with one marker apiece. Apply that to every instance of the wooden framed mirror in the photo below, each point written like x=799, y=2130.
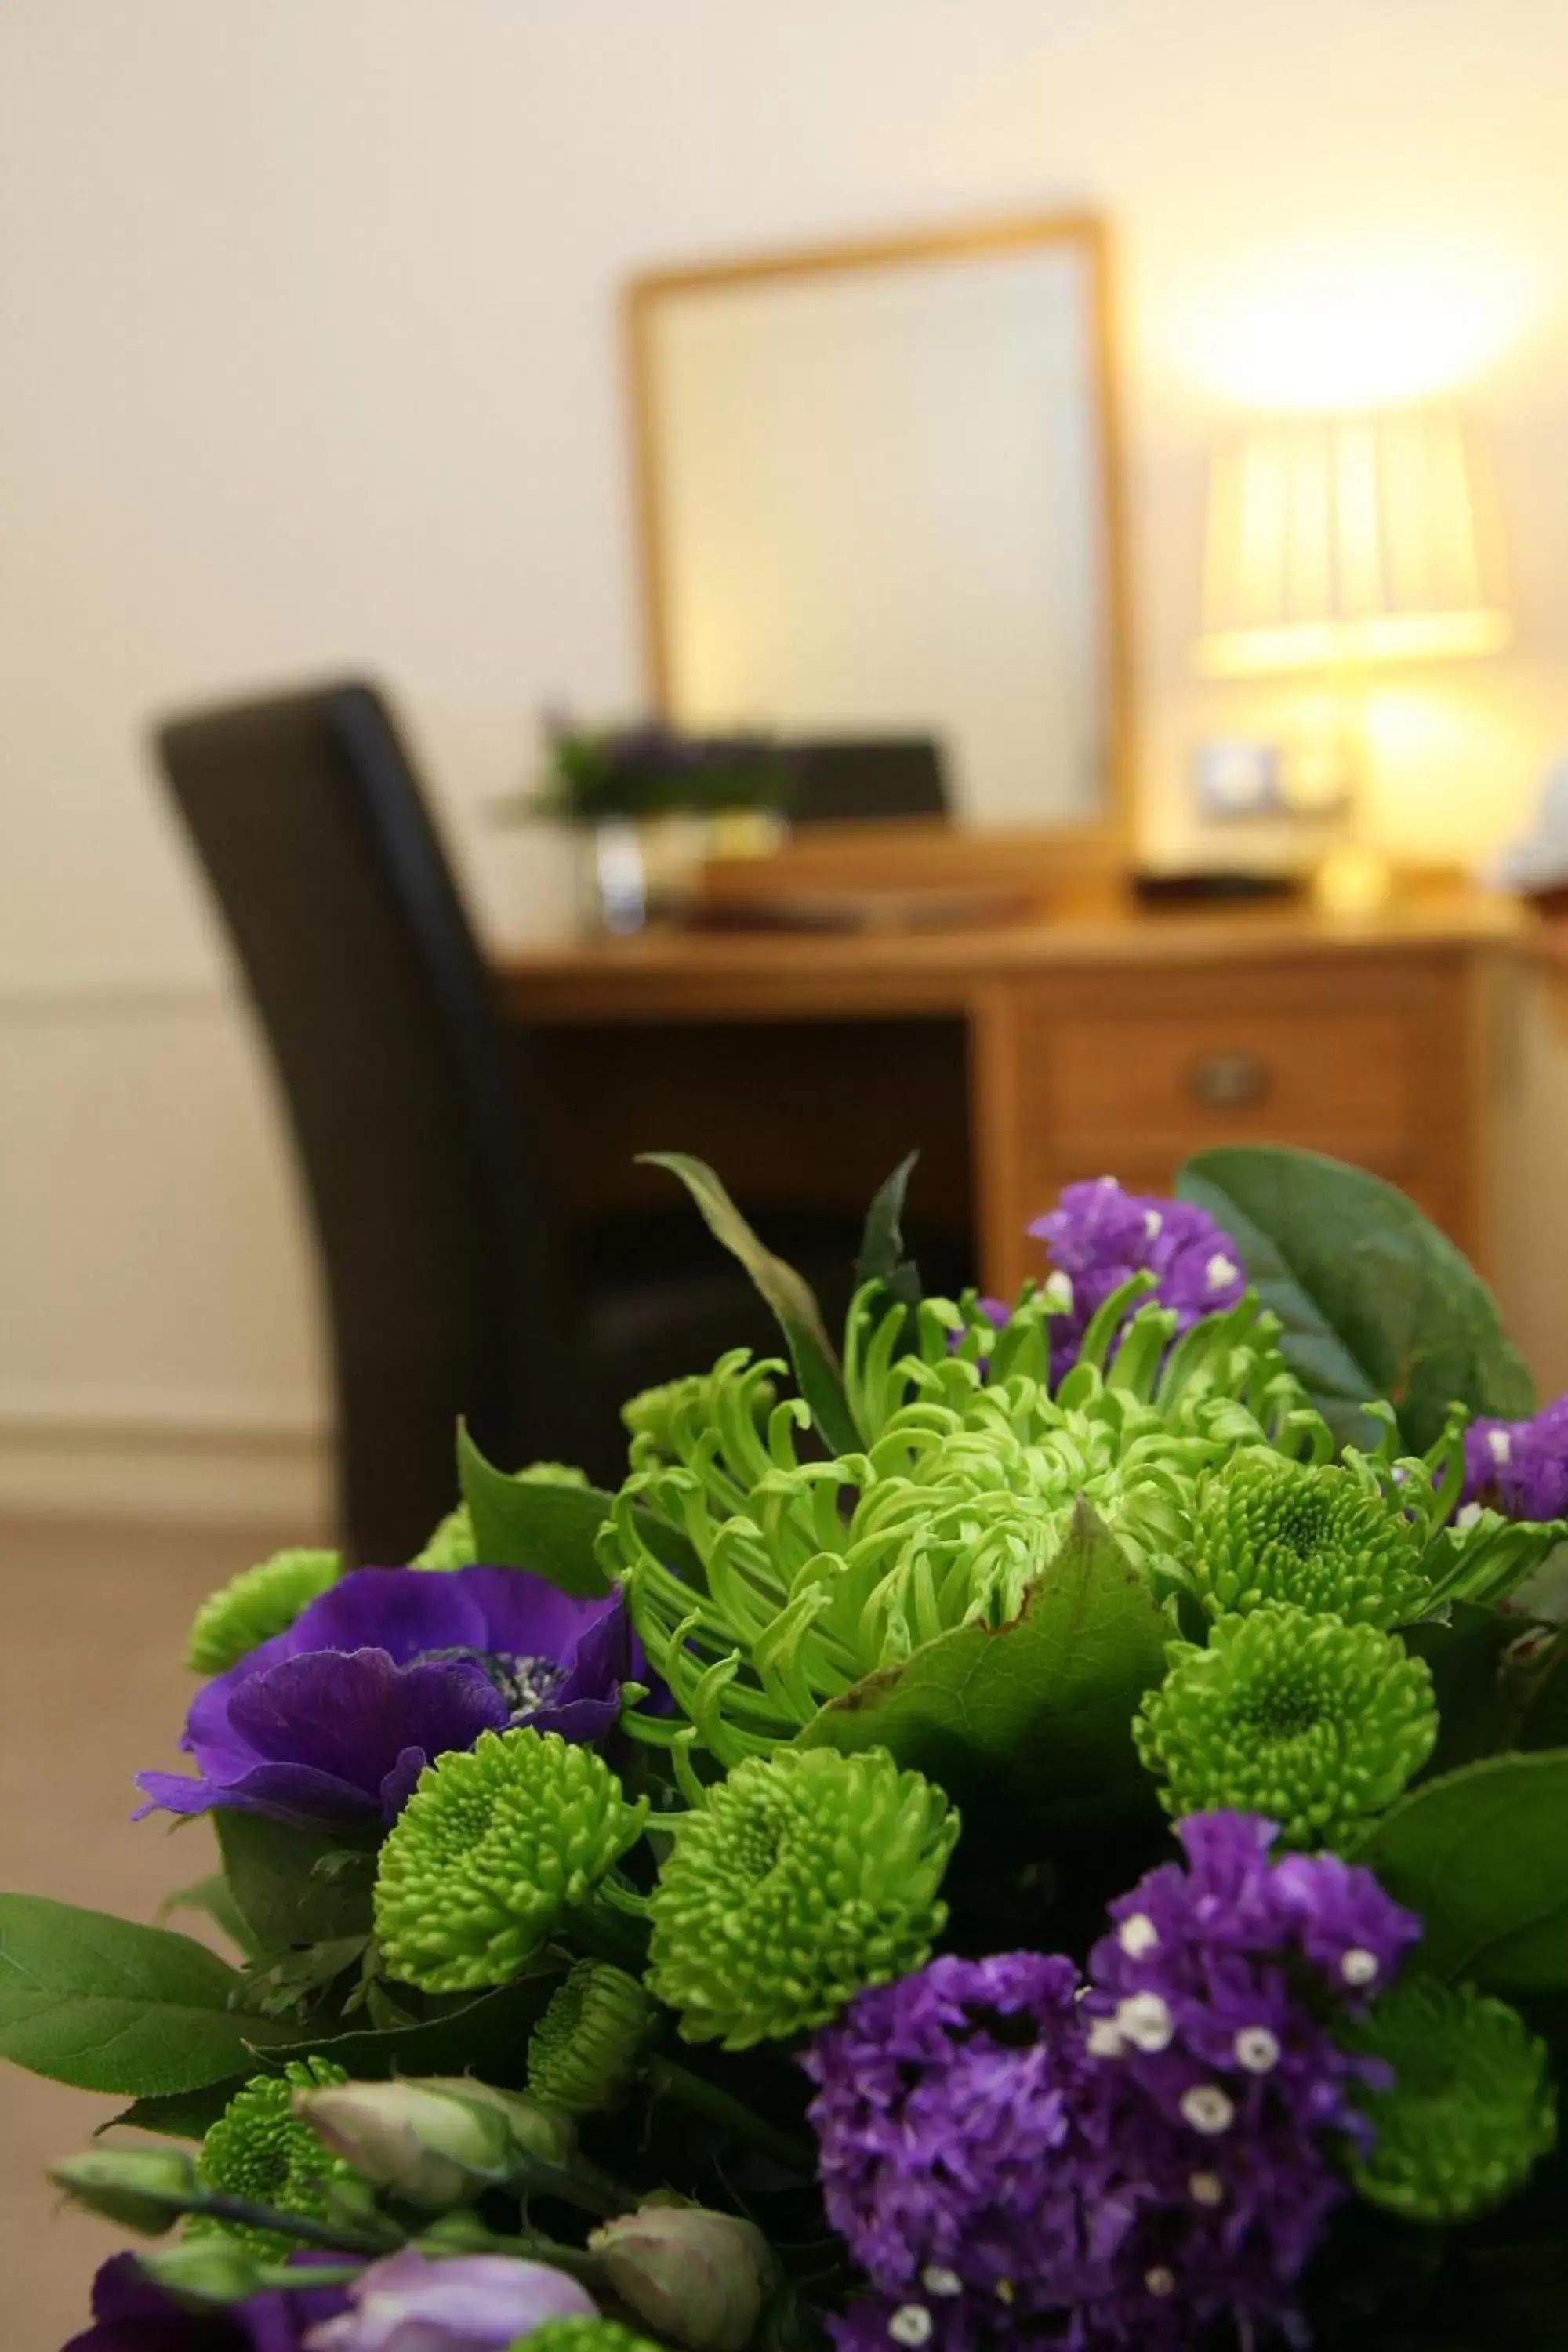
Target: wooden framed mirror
x=878, y=495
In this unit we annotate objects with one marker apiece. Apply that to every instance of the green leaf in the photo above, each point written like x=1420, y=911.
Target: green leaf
x=549, y=1529
x=522, y=1523
x=110, y=2006
x=294, y=1886
x=790, y=1296
x=1482, y=1854
x=1375, y=1300
x=213, y=1898
x=182, y=2115
x=881, y=1257
x=1028, y=1726
x=488, y=2036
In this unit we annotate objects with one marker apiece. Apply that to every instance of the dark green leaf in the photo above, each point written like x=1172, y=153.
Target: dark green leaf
x=109, y=2006
x=881, y=1257
x=791, y=1298
x=551, y=1530
x=183, y=2114
x=1375, y=1300
x=292, y=1885
x=525, y=1523
x=1465, y=1656
x=1029, y=1727
x=488, y=2037
x=1482, y=1854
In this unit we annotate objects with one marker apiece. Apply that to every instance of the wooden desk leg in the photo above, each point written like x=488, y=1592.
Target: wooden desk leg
x=996, y=1082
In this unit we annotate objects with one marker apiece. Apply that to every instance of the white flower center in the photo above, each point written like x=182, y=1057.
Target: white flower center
x=1499, y=1444
x=911, y=2323
x=1058, y=1291
x=1153, y=1223
x=1256, y=2049
x=1467, y=1514
x=937, y=2281
x=1207, y=2110
x=1145, y=2021
x=1221, y=1271
x=1105, y=2038
x=1205, y=2189
x=1159, y=2281
x=1359, y=1967
x=1137, y=1935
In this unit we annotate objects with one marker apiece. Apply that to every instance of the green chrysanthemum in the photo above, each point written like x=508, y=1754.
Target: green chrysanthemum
x=1269, y=1530
x=583, y=2335
x=1303, y=1718
x=583, y=2055
x=258, y=2150
x=817, y=1573
x=255, y=1604
x=800, y=1880
x=666, y=1422
x=496, y=1846
x=453, y=1545
x=1470, y=2107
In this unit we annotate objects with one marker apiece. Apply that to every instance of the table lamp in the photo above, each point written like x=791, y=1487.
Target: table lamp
x=1339, y=543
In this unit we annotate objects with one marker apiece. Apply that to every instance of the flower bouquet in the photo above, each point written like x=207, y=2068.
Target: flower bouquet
x=1043, y=1825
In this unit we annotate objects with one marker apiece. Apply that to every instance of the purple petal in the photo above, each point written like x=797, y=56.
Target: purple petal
x=477, y=2303
x=525, y=1614
x=406, y=1611
x=352, y=1716
x=292, y=1792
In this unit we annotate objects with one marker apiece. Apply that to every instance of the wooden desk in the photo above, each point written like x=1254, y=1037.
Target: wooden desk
x=1020, y=1058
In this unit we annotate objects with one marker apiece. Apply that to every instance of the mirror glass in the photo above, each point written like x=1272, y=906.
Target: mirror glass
x=878, y=503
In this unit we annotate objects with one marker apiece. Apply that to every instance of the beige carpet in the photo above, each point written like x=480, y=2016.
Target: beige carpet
x=91, y=1688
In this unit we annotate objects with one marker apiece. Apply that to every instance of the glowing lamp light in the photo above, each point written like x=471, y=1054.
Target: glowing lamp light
x=1351, y=539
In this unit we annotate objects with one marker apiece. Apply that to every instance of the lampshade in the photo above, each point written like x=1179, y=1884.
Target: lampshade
x=1346, y=539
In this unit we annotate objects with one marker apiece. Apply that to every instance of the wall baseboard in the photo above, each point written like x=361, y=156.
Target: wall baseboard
x=126, y=1464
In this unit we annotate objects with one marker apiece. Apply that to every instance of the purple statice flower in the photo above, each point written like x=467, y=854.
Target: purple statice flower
x=132, y=2314
x=333, y=1720
x=1009, y=2155
x=475, y=2303
x=1519, y=1468
x=1100, y=1236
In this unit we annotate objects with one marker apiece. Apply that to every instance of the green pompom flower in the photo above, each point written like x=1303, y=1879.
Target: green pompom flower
x=453, y=1545
x=1269, y=1530
x=1303, y=1718
x=1470, y=2107
x=255, y=1604
x=583, y=2055
x=583, y=2335
x=260, y=2150
x=802, y=1879
x=496, y=1846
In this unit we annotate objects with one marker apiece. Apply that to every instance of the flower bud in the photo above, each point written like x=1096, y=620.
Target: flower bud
x=144, y=2189
x=697, y=2277
x=584, y=2052
x=435, y=2142
x=214, y=2268
x=475, y=2304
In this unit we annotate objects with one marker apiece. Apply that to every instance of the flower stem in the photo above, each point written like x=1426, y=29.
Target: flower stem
x=303, y=2227
x=667, y=2080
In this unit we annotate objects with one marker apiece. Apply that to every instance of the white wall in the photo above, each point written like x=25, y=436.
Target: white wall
x=309, y=365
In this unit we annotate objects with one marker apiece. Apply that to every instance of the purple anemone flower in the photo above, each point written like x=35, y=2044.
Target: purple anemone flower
x=1100, y=1236
x=477, y=2303
x=333, y=1720
x=132, y=2314
x=1520, y=1468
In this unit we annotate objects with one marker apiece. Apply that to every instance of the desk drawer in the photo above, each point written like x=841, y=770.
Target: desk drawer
x=1162, y=1083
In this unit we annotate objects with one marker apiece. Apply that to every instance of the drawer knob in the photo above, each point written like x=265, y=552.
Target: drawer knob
x=1233, y=1081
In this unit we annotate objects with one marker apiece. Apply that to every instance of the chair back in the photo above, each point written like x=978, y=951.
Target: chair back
x=400, y=1088
x=859, y=779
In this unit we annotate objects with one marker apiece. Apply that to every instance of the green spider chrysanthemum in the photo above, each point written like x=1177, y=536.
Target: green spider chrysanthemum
x=258, y=2150
x=583, y=2335
x=800, y=1880
x=1470, y=2107
x=1303, y=1718
x=255, y=1604
x=666, y=1422
x=1269, y=1530
x=583, y=2055
x=452, y=1544
x=815, y=1574
x=496, y=1846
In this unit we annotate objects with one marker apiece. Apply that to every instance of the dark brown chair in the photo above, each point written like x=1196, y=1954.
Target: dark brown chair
x=451, y=1286
x=859, y=779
